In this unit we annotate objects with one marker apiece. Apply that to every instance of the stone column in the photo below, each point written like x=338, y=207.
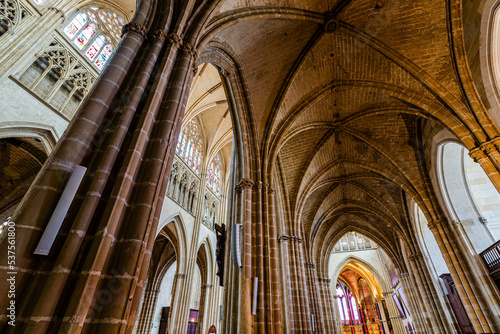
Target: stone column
x=299, y=310
x=413, y=293
x=396, y=321
x=178, y=317
x=265, y=260
x=314, y=298
x=433, y=311
x=128, y=149
x=383, y=316
x=470, y=295
x=327, y=302
x=338, y=320
x=145, y=316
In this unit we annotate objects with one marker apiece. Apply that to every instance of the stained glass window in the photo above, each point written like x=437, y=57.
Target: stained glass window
x=75, y=25
x=340, y=302
x=84, y=36
x=214, y=174
x=354, y=308
x=39, y=2
x=95, y=47
x=95, y=34
x=189, y=145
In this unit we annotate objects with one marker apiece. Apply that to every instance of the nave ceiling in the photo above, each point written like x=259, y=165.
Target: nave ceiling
x=345, y=98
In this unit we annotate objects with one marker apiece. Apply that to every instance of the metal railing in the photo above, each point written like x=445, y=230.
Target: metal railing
x=491, y=256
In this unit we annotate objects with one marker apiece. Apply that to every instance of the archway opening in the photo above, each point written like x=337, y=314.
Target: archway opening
x=370, y=297
x=21, y=160
x=471, y=199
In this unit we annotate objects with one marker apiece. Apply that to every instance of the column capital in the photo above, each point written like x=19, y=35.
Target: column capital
x=244, y=184
x=433, y=225
x=180, y=276
x=324, y=280
x=258, y=185
x=484, y=149
x=175, y=39
x=292, y=238
x=309, y=265
x=159, y=35
x=134, y=27
x=387, y=294
x=283, y=238
x=414, y=257
x=406, y=274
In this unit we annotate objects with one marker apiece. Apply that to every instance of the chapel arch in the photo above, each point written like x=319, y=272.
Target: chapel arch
x=158, y=296
x=361, y=290
x=471, y=199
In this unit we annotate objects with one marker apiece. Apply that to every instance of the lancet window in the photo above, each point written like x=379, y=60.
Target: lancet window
x=189, y=146
x=347, y=305
x=96, y=33
x=214, y=174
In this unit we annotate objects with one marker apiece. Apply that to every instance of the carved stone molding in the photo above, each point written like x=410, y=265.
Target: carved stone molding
x=258, y=185
x=134, y=27
x=292, y=238
x=387, y=294
x=325, y=280
x=309, y=265
x=330, y=25
x=159, y=35
x=283, y=238
x=244, y=184
x=485, y=149
x=406, y=275
x=174, y=39
x=434, y=224
x=414, y=257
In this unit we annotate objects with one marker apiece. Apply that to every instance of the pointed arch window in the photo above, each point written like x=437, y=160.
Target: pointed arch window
x=347, y=305
x=189, y=146
x=214, y=174
x=96, y=33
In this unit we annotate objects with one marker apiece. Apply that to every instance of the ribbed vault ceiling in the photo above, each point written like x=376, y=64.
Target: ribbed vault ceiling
x=342, y=116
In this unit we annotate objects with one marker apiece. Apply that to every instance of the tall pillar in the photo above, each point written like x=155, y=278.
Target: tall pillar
x=299, y=310
x=329, y=314
x=396, y=321
x=433, y=311
x=314, y=298
x=384, y=317
x=125, y=133
x=470, y=295
x=265, y=261
x=413, y=295
x=338, y=321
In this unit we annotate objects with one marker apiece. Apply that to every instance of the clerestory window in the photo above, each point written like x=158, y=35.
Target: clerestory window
x=95, y=32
